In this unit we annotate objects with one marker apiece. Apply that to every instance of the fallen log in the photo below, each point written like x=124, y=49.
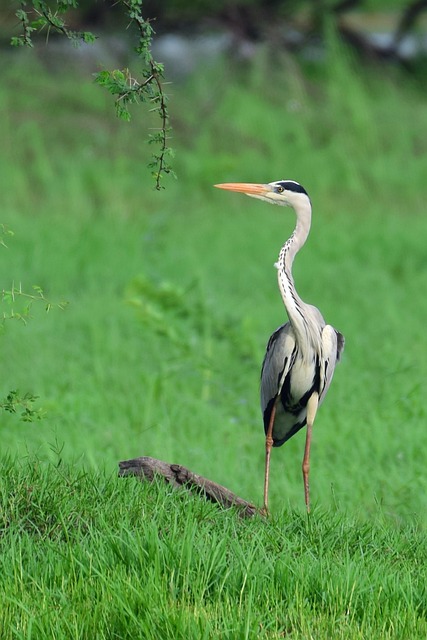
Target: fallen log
x=178, y=476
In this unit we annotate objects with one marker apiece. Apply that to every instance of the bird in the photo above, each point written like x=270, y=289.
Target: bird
x=302, y=353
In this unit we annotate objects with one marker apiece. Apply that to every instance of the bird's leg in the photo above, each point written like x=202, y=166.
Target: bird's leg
x=268, y=445
x=312, y=405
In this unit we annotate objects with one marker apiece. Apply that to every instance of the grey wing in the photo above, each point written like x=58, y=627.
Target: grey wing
x=332, y=348
x=278, y=361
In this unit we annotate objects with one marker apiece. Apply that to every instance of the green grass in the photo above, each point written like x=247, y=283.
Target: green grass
x=93, y=556
x=172, y=297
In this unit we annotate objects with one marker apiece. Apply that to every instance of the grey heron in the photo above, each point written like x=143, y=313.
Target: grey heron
x=302, y=353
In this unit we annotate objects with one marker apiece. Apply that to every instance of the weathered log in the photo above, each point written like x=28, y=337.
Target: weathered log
x=178, y=476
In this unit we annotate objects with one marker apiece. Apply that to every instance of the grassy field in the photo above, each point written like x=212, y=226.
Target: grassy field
x=172, y=297
x=90, y=557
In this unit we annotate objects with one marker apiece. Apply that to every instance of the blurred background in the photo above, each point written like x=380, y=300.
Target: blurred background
x=172, y=294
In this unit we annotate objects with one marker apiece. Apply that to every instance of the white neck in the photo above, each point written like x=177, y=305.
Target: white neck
x=299, y=312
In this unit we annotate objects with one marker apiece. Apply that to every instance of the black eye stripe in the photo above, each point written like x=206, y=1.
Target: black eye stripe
x=290, y=185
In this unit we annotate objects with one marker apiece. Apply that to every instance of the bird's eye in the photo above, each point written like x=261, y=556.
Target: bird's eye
x=279, y=189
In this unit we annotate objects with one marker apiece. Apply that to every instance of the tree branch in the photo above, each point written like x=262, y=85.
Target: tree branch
x=126, y=89
x=178, y=476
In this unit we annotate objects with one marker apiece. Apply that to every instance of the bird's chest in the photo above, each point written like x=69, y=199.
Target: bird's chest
x=302, y=380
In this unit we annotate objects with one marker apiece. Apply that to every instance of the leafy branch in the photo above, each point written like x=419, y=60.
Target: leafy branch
x=14, y=403
x=120, y=83
x=49, y=19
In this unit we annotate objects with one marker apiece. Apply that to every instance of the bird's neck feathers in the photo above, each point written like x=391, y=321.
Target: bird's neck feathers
x=301, y=231
x=294, y=244
x=301, y=315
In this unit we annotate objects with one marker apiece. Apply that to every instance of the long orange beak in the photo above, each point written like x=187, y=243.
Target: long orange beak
x=245, y=187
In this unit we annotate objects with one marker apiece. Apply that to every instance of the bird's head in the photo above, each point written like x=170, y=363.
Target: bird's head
x=283, y=192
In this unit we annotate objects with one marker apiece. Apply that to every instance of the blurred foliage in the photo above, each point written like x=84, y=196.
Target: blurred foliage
x=169, y=14
x=283, y=24
x=175, y=13
x=181, y=315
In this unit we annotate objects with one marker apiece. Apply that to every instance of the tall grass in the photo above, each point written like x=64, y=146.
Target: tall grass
x=90, y=556
x=172, y=298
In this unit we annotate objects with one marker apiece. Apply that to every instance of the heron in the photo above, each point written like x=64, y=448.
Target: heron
x=301, y=354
